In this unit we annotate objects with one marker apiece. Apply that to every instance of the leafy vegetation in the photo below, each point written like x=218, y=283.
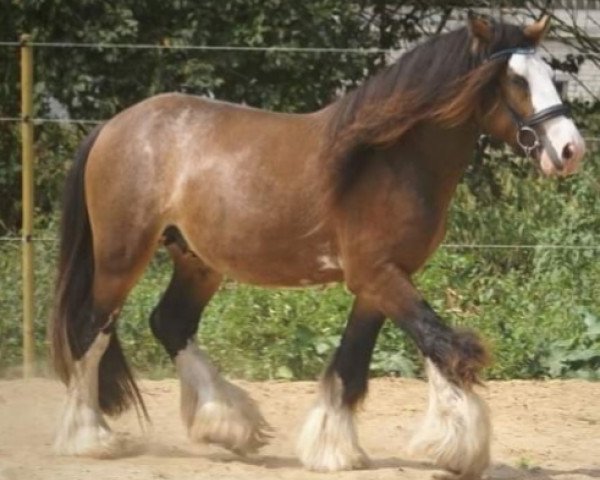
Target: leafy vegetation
x=537, y=307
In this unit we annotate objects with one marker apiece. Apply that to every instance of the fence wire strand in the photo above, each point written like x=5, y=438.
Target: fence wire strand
x=95, y=121
x=207, y=48
x=455, y=246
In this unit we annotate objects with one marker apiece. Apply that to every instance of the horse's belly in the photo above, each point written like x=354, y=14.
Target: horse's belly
x=294, y=268
x=280, y=276
x=268, y=246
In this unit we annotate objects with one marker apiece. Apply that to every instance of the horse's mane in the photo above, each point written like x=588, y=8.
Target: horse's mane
x=441, y=80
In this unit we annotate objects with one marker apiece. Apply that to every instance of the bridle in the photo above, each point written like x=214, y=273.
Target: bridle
x=527, y=136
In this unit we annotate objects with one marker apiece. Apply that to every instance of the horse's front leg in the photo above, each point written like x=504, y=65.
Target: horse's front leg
x=328, y=440
x=456, y=431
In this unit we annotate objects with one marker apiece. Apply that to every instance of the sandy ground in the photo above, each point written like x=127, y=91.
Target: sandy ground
x=542, y=430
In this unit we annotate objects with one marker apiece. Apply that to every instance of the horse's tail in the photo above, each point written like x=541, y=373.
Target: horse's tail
x=73, y=297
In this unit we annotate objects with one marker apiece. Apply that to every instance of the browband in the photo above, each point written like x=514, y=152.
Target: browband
x=507, y=52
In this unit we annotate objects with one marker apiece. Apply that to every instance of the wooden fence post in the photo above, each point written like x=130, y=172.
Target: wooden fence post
x=27, y=185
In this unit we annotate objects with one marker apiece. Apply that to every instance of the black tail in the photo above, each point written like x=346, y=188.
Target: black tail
x=72, y=314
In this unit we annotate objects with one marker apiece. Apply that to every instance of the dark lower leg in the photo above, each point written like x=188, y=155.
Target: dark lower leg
x=352, y=358
x=91, y=320
x=117, y=390
x=100, y=383
x=175, y=320
x=459, y=354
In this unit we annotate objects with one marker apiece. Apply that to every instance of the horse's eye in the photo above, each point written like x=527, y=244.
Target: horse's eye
x=520, y=82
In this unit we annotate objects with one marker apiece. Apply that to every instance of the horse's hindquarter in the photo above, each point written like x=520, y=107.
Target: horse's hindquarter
x=239, y=183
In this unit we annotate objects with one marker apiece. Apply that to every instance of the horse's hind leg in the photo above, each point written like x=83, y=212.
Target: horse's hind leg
x=100, y=380
x=82, y=429
x=328, y=440
x=213, y=409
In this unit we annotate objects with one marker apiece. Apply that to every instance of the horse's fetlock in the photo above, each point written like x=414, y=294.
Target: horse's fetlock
x=468, y=357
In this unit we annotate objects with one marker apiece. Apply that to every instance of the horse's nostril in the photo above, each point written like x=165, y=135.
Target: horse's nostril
x=568, y=152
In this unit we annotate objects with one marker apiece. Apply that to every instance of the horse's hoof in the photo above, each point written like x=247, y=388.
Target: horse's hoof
x=447, y=475
x=240, y=431
x=328, y=440
x=97, y=442
x=330, y=460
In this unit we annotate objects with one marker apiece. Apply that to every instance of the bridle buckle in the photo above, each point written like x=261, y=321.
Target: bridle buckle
x=527, y=136
x=528, y=139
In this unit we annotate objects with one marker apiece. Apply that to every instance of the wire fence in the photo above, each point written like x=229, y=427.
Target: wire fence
x=202, y=48
x=455, y=246
x=95, y=121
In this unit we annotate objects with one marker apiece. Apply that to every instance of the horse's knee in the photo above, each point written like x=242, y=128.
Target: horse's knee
x=466, y=357
x=459, y=354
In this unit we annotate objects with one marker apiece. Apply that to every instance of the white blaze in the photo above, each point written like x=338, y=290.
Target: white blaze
x=558, y=132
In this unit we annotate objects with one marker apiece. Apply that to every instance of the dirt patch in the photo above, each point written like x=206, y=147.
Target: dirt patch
x=542, y=430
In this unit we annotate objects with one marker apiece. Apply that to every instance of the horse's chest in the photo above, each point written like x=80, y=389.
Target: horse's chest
x=412, y=252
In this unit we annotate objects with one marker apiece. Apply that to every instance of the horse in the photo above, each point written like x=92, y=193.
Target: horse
x=356, y=192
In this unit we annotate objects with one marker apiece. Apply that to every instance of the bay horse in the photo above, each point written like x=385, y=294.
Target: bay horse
x=357, y=192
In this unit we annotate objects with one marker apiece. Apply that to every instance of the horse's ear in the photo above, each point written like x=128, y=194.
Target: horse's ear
x=536, y=31
x=481, y=30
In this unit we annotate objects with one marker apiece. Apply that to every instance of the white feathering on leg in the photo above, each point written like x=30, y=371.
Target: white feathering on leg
x=214, y=410
x=328, y=440
x=82, y=429
x=456, y=430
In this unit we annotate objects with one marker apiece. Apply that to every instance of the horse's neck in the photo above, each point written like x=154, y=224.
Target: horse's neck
x=441, y=156
x=430, y=161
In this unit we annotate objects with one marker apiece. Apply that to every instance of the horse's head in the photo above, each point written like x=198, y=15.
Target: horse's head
x=526, y=111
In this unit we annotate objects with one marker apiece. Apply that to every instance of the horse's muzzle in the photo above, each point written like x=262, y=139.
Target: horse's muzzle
x=562, y=161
